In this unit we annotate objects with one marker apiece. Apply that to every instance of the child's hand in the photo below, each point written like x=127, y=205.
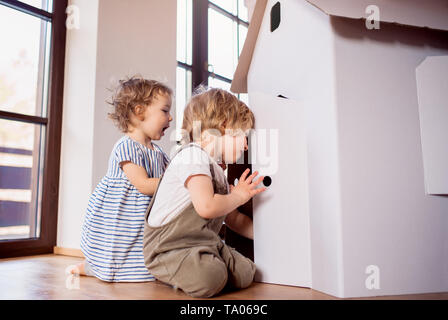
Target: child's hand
x=246, y=187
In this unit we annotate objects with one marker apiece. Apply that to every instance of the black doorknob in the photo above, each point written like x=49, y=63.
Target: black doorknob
x=267, y=181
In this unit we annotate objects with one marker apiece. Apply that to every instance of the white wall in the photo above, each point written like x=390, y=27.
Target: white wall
x=134, y=36
x=75, y=182
x=116, y=39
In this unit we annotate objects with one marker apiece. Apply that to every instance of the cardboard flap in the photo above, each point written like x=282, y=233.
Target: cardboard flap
x=432, y=89
x=279, y=150
x=239, y=82
x=428, y=13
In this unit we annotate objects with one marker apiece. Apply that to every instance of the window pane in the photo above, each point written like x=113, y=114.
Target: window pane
x=222, y=44
x=21, y=154
x=184, y=31
x=216, y=83
x=23, y=62
x=46, y=5
x=242, y=11
x=242, y=30
x=244, y=97
x=183, y=94
x=228, y=5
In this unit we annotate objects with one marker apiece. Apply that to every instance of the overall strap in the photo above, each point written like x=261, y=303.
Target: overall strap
x=148, y=210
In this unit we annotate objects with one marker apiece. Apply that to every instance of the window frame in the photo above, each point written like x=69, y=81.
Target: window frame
x=53, y=122
x=200, y=64
x=199, y=67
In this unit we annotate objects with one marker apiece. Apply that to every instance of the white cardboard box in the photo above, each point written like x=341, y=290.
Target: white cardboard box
x=374, y=226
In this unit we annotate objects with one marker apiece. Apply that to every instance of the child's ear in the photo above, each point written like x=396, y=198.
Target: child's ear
x=139, y=111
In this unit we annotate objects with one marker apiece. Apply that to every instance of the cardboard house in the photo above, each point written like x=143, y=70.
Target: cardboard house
x=351, y=100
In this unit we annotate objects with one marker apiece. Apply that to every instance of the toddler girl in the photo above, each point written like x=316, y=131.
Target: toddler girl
x=181, y=244
x=112, y=233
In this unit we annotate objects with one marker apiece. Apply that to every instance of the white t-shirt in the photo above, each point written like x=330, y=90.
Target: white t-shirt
x=173, y=197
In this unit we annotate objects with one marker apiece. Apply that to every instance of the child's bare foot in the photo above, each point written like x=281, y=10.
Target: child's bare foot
x=77, y=269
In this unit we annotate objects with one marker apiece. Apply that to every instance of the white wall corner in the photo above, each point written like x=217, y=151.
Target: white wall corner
x=77, y=122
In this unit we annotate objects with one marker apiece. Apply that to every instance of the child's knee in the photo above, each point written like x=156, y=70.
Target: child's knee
x=241, y=269
x=243, y=274
x=209, y=279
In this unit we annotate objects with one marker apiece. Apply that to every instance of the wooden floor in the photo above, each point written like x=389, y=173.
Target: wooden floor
x=43, y=277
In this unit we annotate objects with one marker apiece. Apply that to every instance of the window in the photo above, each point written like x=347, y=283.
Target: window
x=210, y=36
x=31, y=84
x=184, y=59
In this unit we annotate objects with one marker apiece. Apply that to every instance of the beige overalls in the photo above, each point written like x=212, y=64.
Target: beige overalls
x=188, y=253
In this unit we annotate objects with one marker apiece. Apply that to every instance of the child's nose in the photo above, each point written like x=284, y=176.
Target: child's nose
x=170, y=118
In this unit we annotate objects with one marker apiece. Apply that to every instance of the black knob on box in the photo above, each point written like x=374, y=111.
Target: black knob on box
x=267, y=181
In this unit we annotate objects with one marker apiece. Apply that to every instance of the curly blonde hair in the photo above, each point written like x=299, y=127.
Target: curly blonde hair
x=130, y=93
x=215, y=109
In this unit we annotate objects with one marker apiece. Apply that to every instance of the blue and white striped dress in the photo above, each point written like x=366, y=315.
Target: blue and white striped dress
x=112, y=234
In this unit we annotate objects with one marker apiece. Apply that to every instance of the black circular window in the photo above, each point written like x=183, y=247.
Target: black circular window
x=267, y=181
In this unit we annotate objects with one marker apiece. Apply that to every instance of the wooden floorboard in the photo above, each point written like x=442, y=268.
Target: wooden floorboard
x=43, y=277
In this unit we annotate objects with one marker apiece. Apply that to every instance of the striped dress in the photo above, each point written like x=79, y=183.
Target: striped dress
x=112, y=233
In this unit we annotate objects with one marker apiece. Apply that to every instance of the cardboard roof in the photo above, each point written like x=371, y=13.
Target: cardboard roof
x=431, y=14
x=419, y=13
